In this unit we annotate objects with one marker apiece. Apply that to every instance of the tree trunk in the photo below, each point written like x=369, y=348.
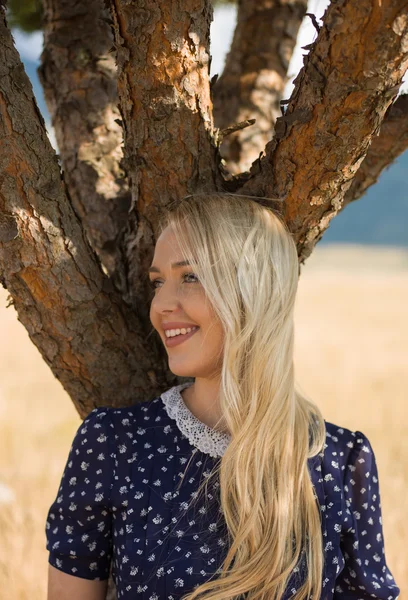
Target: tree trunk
x=391, y=142
x=98, y=341
x=164, y=92
x=255, y=75
x=338, y=104
x=78, y=74
x=97, y=347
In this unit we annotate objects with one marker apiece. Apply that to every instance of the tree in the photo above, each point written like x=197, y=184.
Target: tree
x=26, y=15
x=128, y=81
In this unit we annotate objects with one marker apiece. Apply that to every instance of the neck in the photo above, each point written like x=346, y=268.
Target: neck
x=202, y=399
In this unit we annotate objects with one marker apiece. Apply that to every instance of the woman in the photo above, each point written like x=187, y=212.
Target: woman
x=229, y=485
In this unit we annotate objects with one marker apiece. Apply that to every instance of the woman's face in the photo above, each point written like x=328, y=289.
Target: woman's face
x=180, y=298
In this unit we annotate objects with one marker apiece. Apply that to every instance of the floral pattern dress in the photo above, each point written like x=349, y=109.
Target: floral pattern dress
x=128, y=501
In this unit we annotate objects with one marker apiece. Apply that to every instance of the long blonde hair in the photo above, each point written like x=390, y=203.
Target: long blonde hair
x=247, y=263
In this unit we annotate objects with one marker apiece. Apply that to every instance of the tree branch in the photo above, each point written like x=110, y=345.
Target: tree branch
x=164, y=92
x=78, y=74
x=350, y=77
x=391, y=142
x=93, y=344
x=254, y=76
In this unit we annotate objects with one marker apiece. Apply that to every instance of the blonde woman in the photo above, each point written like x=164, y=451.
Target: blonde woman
x=230, y=485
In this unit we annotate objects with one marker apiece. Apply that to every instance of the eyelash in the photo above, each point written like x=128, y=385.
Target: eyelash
x=152, y=282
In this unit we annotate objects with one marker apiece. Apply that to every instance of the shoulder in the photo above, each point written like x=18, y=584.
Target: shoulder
x=110, y=414
x=343, y=439
x=115, y=421
x=339, y=438
x=108, y=431
x=343, y=447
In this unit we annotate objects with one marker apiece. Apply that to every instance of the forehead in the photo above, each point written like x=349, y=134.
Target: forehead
x=168, y=252
x=167, y=243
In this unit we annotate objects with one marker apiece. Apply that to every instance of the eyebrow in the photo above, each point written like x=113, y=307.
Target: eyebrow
x=181, y=263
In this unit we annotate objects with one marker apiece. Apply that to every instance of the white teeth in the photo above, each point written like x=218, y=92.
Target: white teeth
x=173, y=332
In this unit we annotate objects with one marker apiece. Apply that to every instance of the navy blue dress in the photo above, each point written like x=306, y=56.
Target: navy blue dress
x=128, y=500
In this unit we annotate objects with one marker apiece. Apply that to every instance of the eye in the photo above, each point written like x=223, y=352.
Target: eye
x=153, y=282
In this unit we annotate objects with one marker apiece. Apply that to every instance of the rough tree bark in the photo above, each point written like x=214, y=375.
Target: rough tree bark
x=255, y=75
x=351, y=76
x=93, y=330
x=95, y=345
x=164, y=91
x=78, y=74
x=384, y=149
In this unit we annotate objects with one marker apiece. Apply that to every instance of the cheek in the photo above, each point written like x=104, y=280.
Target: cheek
x=153, y=315
x=214, y=329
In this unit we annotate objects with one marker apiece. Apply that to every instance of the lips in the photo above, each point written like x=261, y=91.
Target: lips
x=179, y=339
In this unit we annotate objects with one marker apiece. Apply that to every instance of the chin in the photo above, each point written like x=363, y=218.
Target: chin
x=182, y=372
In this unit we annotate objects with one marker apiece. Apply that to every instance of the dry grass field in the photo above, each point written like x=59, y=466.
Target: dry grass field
x=351, y=358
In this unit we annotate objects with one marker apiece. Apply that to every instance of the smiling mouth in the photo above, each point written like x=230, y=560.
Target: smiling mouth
x=179, y=339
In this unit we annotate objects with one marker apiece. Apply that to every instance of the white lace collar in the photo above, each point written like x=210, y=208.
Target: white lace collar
x=199, y=434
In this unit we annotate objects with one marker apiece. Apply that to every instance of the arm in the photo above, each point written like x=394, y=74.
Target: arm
x=62, y=586
x=365, y=574
x=79, y=522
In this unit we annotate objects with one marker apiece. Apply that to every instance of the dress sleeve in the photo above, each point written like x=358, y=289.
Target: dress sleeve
x=365, y=574
x=78, y=527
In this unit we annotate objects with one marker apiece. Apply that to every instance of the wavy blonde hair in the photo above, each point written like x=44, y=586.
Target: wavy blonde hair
x=247, y=263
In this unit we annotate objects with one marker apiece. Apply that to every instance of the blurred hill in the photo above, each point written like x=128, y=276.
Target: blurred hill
x=378, y=218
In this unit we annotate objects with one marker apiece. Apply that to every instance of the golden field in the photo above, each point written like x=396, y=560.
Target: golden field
x=351, y=358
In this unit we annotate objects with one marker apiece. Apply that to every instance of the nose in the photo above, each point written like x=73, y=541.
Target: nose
x=167, y=298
